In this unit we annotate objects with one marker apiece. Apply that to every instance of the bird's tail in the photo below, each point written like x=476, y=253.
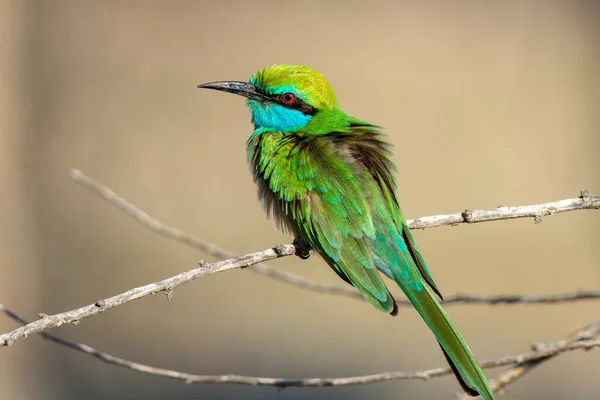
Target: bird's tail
x=466, y=368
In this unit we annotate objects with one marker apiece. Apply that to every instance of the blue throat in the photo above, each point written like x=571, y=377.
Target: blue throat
x=271, y=116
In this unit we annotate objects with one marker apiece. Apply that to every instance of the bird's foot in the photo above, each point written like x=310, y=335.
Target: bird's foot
x=303, y=248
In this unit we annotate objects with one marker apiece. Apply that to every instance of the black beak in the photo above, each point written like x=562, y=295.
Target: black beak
x=242, y=88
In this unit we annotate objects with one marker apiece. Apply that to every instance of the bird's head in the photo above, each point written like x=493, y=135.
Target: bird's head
x=284, y=98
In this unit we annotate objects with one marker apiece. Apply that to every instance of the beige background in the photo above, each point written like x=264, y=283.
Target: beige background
x=486, y=104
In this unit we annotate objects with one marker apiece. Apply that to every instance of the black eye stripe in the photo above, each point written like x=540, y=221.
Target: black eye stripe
x=297, y=104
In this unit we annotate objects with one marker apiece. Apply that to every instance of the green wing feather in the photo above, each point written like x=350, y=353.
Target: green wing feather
x=337, y=191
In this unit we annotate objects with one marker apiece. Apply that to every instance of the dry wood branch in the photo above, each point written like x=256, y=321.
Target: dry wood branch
x=585, y=201
x=166, y=285
x=585, y=339
x=537, y=211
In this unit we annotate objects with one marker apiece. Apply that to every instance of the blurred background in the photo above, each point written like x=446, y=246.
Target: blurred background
x=486, y=104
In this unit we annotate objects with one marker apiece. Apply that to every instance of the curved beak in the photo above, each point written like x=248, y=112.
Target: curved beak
x=241, y=88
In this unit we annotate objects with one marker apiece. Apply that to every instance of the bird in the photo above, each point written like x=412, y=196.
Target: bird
x=327, y=178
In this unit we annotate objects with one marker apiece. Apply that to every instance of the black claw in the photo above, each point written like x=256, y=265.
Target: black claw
x=303, y=248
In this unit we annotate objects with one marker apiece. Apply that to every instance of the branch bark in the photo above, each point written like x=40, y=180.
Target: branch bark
x=584, y=339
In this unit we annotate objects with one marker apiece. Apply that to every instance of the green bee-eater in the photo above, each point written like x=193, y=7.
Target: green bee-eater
x=327, y=177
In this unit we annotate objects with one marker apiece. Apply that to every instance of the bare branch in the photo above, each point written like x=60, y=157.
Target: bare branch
x=537, y=211
x=585, y=201
x=178, y=235
x=585, y=340
x=166, y=285
x=145, y=219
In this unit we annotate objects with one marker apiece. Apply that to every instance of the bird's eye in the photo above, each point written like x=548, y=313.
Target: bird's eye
x=288, y=98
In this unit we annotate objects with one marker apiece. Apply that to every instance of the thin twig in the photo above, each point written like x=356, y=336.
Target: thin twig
x=537, y=211
x=178, y=235
x=534, y=357
x=147, y=220
x=584, y=338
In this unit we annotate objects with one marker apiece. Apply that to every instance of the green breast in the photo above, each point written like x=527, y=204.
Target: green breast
x=303, y=179
x=275, y=160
